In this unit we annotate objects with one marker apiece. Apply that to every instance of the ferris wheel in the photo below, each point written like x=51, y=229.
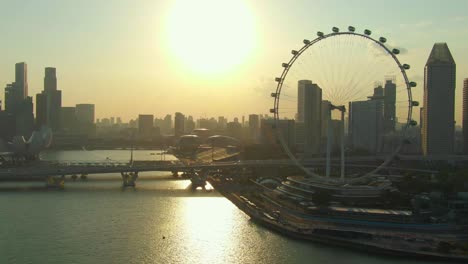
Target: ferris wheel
x=349, y=97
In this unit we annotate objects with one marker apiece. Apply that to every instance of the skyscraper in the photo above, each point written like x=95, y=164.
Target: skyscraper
x=366, y=122
x=17, y=102
x=85, y=118
x=49, y=102
x=179, y=122
x=309, y=111
x=438, y=130
x=465, y=115
x=145, y=126
x=254, y=127
x=21, y=79
x=50, y=79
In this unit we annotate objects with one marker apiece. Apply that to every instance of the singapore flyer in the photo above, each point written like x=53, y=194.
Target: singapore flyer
x=351, y=102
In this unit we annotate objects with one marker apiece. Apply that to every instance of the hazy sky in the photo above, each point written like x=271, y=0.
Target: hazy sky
x=158, y=57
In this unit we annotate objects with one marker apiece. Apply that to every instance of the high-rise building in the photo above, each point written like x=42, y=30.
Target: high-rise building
x=389, y=105
x=17, y=102
x=68, y=122
x=179, y=122
x=50, y=79
x=309, y=111
x=85, y=113
x=85, y=118
x=465, y=115
x=49, y=102
x=438, y=130
x=365, y=130
x=254, y=127
x=21, y=79
x=145, y=126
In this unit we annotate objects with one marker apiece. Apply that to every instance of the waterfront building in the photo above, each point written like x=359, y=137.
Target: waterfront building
x=179, y=122
x=465, y=115
x=438, y=130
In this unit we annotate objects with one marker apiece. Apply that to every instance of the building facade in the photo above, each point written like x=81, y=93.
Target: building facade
x=438, y=129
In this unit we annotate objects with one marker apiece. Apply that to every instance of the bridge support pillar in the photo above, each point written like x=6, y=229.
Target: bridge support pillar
x=129, y=178
x=55, y=182
x=198, y=179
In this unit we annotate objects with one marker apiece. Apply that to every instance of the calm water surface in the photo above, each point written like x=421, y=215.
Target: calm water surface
x=160, y=221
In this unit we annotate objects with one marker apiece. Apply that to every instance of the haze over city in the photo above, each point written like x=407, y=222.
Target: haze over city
x=130, y=58
x=233, y=131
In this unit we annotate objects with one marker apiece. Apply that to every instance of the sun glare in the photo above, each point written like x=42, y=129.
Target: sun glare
x=211, y=36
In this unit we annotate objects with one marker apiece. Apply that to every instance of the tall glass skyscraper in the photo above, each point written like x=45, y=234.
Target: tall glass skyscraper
x=438, y=130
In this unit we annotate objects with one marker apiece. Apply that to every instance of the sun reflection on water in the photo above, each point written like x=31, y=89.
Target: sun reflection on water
x=209, y=225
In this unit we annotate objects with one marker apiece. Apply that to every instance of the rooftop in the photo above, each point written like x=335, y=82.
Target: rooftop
x=440, y=54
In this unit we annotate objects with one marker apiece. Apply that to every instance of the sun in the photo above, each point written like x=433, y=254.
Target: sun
x=211, y=36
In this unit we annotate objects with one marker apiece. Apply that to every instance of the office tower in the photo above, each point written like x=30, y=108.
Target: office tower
x=49, y=102
x=254, y=127
x=366, y=122
x=17, y=102
x=465, y=115
x=389, y=105
x=85, y=113
x=309, y=112
x=50, y=79
x=438, y=130
x=68, y=121
x=85, y=119
x=365, y=131
x=179, y=122
x=145, y=126
x=21, y=79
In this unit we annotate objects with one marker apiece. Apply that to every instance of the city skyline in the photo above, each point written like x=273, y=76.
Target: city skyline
x=142, y=60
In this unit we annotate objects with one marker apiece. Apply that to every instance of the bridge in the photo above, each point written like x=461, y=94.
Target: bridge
x=54, y=172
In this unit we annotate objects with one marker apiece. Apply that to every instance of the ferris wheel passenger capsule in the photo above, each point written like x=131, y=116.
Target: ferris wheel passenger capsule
x=306, y=41
x=278, y=79
x=351, y=29
x=294, y=52
x=413, y=84
x=367, y=32
x=274, y=95
x=382, y=39
x=272, y=110
x=285, y=65
x=406, y=66
x=413, y=123
x=396, y=51
x=335, y=29
x=414, y=103
x=320, y=34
